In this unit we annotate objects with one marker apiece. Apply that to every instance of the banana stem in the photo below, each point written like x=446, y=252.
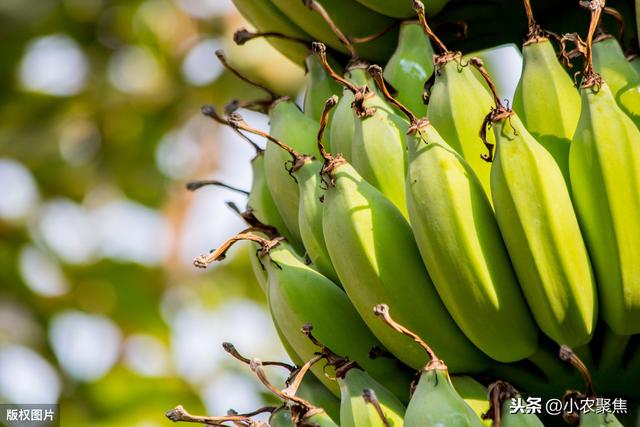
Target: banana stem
x=196, y=185
x=231, y=349
x=376, y=73
x=567, y=355
x=180, y=414
x=589, y=75
x=613, y=349
x=548, y=364
x=223, y=60
x=256, y=367
x=418, y=7
x=243, y=35
x=317, y=7
x=320, y=50
x=324, y=120
x=218, y=254
x=210, y=111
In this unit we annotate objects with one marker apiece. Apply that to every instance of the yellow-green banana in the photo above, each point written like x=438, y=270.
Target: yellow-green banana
x=546, y=99
x=604, y=162
x=435, y=402
x=410, y=66
x=460, y=244
x=458, y=103
x=266, y=17
x=623, y=80
x=473, y=393
x=319, y=87
x=539, y=226
x=374, y=253
x=352, y=18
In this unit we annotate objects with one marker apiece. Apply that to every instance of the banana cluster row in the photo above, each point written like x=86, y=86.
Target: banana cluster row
x=488, y=230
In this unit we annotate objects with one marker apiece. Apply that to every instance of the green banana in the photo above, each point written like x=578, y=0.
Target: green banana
x=473, y=393
x=623, y=80
x=535, y=215
x=266, y=17
x=352, y=18
x=604, y=162
x=319, y=87
x=410, y=66
x=546, y=99
x=356, y=412
x=297, y=294
x=635, y=62
x=500, y=395
x=314, y=391
x=435, y=401
x=375, y=255
x=343, y=121
x=460, y=243
x=378, y=148
x=458, y=103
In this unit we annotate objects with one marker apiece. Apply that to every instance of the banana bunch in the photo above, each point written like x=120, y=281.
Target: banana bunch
x=495, y=233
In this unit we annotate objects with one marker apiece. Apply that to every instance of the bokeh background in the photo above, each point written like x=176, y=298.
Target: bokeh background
x=101, y=309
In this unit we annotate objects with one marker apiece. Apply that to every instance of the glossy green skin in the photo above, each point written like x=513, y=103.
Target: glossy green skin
x=635, y=63
x=435, y=403
x=291, y=126
x=375, y=255
x=265, y=16
x=605, y=177
x=351, y=18
x=623, y=80
x=281, y=418
x=298, y=294
x=402, y=9
x=310, y=218
x=262, y=204
x=591, y=419
x=474, y=394
x=410, y=66
x=547, y=101
x=541, y=231
x=343, y=121
x=319, y=87
x=355, y=412
x=460, y=243
x=457, y=107
x=507, y=419
x=321, y=419
x=378, y=152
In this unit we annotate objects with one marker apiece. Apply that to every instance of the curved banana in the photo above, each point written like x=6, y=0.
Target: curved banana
x=374, y=253
x=319, y=87
x=291, y=126
x=546, y=99
x=410, y=66
x=473, y=393
x=435, y=401
x=535, y=215
x=458, y=103
x=604, y=162
x=460, y=244
x=623, y=80
x=266, y=17
x=351, y=17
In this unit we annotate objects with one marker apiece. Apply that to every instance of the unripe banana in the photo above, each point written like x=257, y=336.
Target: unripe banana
x=460, y=244
x=635, y=63
x=291, y=126
x=604, y=162
x=537, y=221
x=500, y=395
x=458, y=103
x=319, y=87
x=266, y=17
x=281, y=417
x=298, y=295
x=473, y=393
x=623, y=80
x=374, y=253
x=356, y=412
x=343, y=120
x=435, y=401
x=546, y=99
x=410, y=66
x=315, y=392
